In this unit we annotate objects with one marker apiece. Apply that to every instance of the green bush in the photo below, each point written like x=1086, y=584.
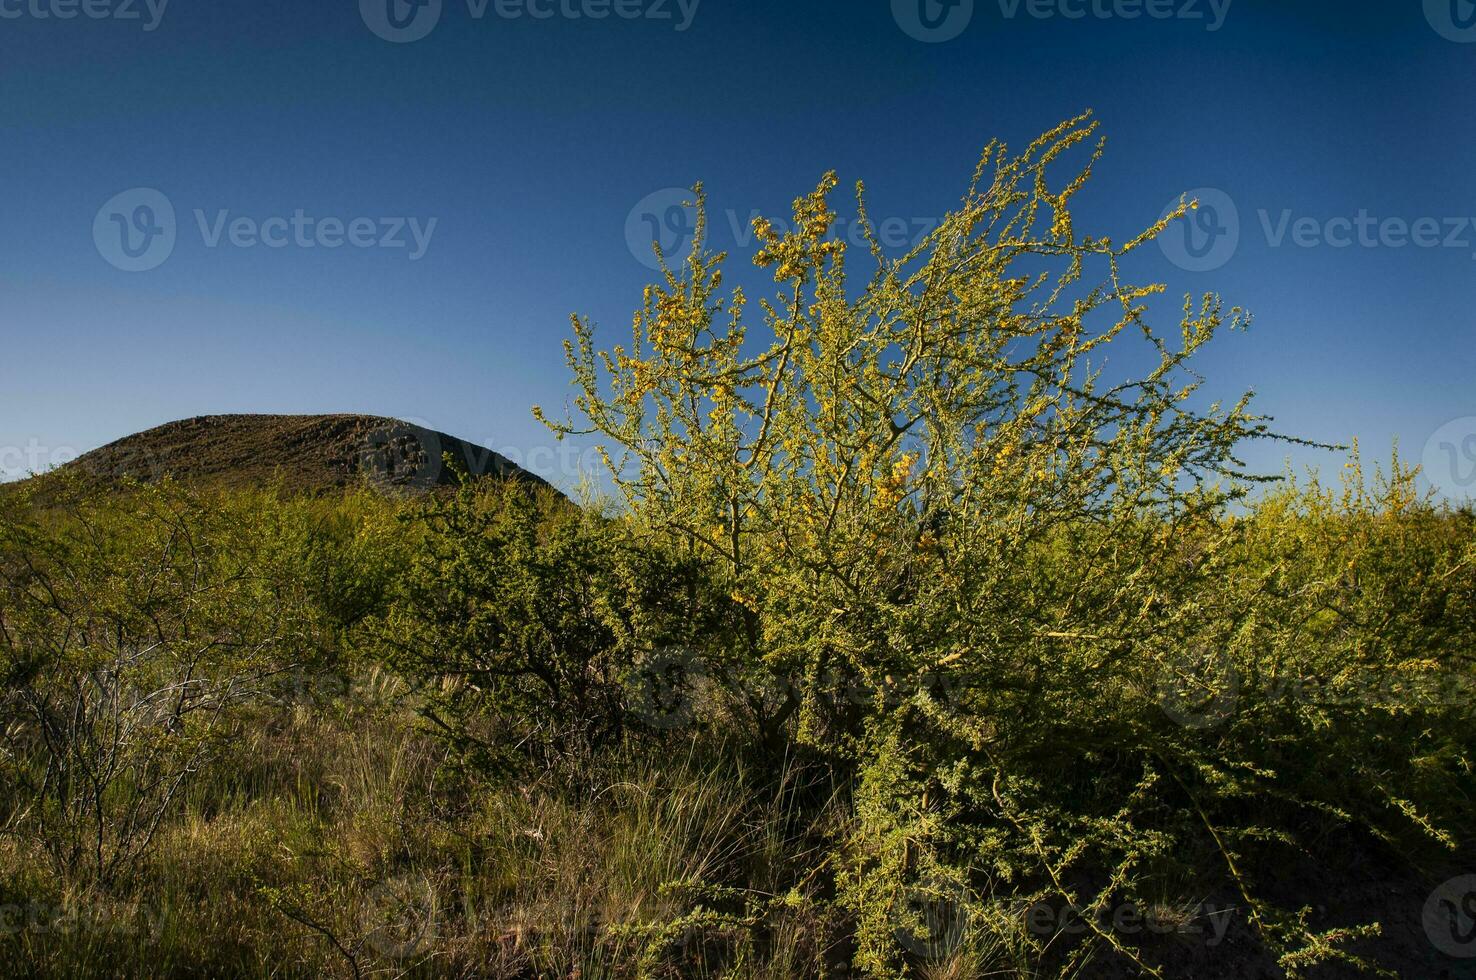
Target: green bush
x=135, y=629
x=525, y=624
x=1016, y=598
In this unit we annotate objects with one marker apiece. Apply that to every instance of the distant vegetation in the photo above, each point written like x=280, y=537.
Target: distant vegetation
x=911, y=644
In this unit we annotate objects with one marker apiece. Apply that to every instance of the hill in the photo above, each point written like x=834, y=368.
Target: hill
x=307, y=453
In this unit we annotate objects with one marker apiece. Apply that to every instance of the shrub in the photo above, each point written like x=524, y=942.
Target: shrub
x=1009, y=591
x=525, y=621
x=132, y=629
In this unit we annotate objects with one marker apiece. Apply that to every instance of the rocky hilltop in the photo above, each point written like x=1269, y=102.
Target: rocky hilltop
x=308, y=453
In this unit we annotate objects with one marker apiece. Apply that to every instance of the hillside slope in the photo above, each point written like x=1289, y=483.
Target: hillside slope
x=308, y=453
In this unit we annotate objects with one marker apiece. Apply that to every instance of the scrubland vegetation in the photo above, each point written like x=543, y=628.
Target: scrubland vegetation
x=912, y=641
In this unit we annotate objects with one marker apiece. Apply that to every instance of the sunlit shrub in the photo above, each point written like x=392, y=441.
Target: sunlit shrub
x=1014, y=599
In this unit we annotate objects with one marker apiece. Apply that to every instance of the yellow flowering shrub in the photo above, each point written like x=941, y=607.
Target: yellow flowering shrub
x=969, y=559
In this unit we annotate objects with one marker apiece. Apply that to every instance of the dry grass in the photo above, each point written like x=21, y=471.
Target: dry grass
x=324, y=846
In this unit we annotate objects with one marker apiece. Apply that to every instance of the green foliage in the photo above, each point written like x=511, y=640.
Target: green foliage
x=523, y=619
x=1072, y=657
x=921, y=646
x=131, y=631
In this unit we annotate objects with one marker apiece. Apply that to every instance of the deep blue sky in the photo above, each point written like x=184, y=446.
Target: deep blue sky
x=530, y=141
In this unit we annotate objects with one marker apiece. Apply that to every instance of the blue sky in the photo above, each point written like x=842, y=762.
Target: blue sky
x=529, y=141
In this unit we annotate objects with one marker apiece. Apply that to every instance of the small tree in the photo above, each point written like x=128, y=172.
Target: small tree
x=132, y=626
x=1002, y=585
x=912, y=439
